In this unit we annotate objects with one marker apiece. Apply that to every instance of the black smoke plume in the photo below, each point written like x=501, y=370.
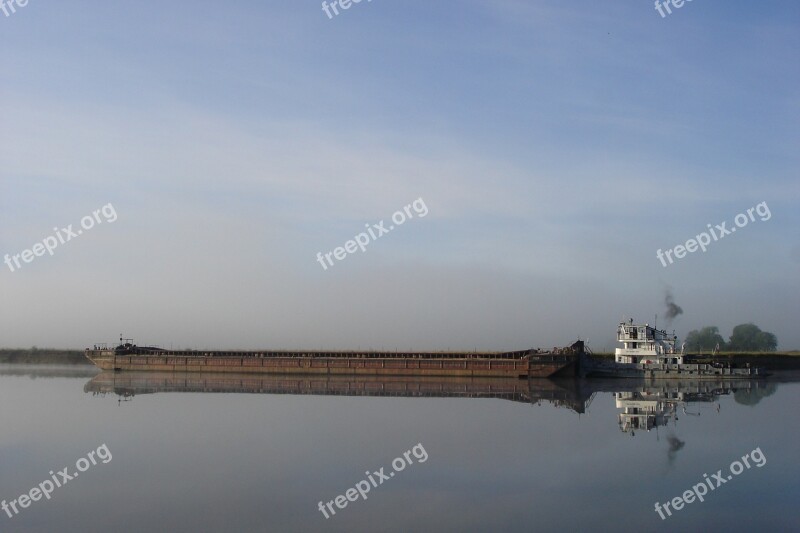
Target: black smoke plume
x=675, y=444
x=673, y=309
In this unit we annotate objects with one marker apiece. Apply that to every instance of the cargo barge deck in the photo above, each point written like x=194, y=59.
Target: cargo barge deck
x=515, y=364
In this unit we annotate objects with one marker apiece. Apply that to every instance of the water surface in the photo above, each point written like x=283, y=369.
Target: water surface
x=214, y=453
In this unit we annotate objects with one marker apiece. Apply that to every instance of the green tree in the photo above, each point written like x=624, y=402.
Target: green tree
x=769, y=341
x=750, y=338
x=705, y=339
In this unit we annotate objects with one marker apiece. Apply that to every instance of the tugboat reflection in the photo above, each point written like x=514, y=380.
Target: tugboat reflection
x=657, y=404
x=642, y=410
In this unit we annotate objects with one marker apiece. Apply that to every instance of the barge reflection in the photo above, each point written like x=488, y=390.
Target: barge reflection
x=126, y=385
x=643, y=404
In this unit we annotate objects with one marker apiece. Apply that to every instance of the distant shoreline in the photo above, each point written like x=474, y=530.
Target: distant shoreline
x=43, y=357
x=789, y=360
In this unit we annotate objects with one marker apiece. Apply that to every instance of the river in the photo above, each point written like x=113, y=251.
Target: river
x=178, y=453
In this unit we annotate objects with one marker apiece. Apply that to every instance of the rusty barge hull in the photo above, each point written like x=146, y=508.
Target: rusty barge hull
x=504, y=365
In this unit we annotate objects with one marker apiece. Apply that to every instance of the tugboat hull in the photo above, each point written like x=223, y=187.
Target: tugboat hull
x=608, y=369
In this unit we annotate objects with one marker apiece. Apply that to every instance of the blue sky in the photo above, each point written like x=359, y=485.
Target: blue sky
x=557, y=146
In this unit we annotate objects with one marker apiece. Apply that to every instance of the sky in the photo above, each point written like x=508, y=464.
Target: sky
x=556, y=147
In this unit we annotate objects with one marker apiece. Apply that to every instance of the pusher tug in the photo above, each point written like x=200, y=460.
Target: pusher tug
x=650, y=353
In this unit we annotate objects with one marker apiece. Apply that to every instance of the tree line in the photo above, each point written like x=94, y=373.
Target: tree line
x=745, y=338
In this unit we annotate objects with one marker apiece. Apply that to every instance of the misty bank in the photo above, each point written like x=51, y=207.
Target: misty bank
x=43, y=357
x=767, y=360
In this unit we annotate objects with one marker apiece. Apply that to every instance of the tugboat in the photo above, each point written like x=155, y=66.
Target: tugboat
x=648, y=352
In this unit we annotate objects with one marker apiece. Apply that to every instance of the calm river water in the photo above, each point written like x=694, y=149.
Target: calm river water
x=236, y=453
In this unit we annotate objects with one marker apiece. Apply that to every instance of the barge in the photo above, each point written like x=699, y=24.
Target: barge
x=532, y=363
x=648, y=352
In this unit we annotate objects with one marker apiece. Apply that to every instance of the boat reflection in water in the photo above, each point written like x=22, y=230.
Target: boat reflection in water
x=658, y=403
x=643, y=404
x=126, y=385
